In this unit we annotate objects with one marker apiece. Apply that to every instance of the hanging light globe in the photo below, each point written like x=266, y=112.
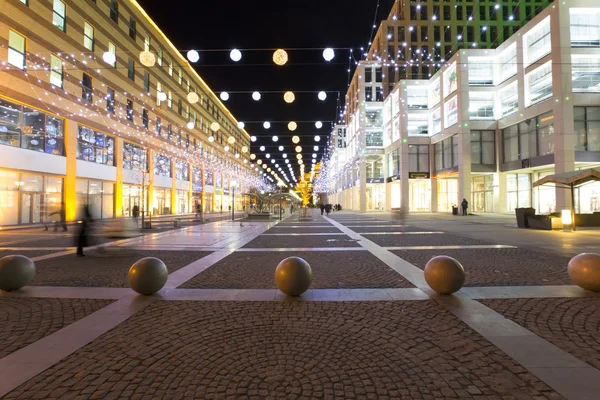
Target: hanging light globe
x=296, y=139
x=224, y=96
x=109, y=58
x=299, y=156
x=252, y=156
x=235, y=55
x=192, y=98
x=256, y=96
x=318, y=124
x=316, y=148
x=289, y=97
x=301, y=162
x=292, y=126
x=215, y=126
x=268, y=155
x=253, y=138
x=298, y=149
x=162, y=96
x=241, y=125
x=322, y=95
x=280, y=57
x=231, y=140
x=284, y=156
x=226, y=148
x=190, y=125
x=244, y=149
x=262, y=148
x=147, y=58
x=259, y=162
x=317, y=138
x=328, y=54
x=193, y=56
x=275, y=138
x=237, y=155
x=280, y=148
x=211, y=139
x=266, y=124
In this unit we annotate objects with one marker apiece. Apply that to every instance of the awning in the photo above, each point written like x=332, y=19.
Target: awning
x=572, y=178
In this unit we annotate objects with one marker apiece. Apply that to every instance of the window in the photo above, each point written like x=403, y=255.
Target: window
x=416, y=97
x=368, y=74
x=518, y=190
x=169, y=132
x=59, y=14
x=179, y=107
x=30, y=129
x=509, y=100
x=86, y=88
x=481, y=105
x=585, y=27
x=16, y=49
x=132, y=28
x=587, y=128
x=530, y=138
x=586, y=73
x=160, y=56
x=158, y=92
x=110, y=100
x=26, y=2
x=145, y=119
x=378, y=74
x=162, y=165
x=134, y=157
x=170, y=100
x=114, y=11
x=129, y=114
x=481, y=71
x=88, y=36
x=112, y=49
x=180, y=78
x=418, y=158
x=378, y=93
x=146, y=43
x=181, y=170
x=95, y=146
x=482, y=148
x=451, y=112
x=538, y=84
x=537, y=42
x=146, y=81
x=131, y=69
x=508, y=63
x=446, y=153
x=170, y=67
x=418, y=124
x=56, y=71
x=158, y=126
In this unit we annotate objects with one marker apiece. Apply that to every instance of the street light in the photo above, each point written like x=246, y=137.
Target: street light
x=233, y=183
x=280, y=184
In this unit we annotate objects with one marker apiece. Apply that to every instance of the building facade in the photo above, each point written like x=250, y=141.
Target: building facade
x=98, y=107
x=485, y=127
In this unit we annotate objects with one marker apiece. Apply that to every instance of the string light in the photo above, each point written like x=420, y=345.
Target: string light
x=317, y=138
x=318, y=124
x=275, y=138
x=280, y=57
x=193, y=56
x=192, y=97
x=256, y=96
x=328, y=54
x=224, y=96
x=147, y=58
x=235, y=55
x=322, y=96
x=296, y=139
x=289, y=97
x=292, y=126
x=266, y=124
x=215, y=126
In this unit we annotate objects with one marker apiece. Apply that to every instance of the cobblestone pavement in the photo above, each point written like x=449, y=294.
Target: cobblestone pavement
x=437, y=239
x=571, y=324
x=331, y=270
x=63, y=241
x=26, y=320
x=411, y=350
x=104, y=269
x=283, y=229
x=302, y=241
x=499, y=267
x=27, y=253
x=383, y=228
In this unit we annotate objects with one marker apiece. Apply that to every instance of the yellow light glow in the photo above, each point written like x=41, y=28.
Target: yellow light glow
x=299, y=156
x=252, y=156
x=292, y=126
x=566, y=217
x=298, y=149
x=289, y=97
x=147, y=58
x=192, y=98
x=280, y=57
x=296, y=139
x=231, y=140
x=215, y=126
x=244, y=149
x=259, y=162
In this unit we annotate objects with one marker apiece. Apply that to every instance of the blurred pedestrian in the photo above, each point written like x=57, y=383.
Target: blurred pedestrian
x=328, y=208
x=62, y=217
x=135, y=211
x=84, y=226
x=322, y=207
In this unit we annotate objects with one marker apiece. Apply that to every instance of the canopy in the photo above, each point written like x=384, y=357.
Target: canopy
x=572, y=178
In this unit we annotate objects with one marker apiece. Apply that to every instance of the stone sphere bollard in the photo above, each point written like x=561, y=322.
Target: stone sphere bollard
x=15, y=272
x=584, y=271
x=293, y=276
x=148, y=275
x=444, y=274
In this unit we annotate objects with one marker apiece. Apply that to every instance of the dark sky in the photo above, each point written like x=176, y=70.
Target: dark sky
x=271, y=24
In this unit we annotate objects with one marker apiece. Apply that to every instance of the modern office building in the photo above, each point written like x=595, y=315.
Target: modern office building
x=96, y=106
x=484, y=128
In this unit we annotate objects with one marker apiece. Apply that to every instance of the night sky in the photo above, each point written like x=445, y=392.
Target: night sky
x=271, y=24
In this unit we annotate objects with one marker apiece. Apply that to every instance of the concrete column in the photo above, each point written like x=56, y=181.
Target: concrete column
x=173, y=186
x=464, y=134
x=202, y=193
x=150, y=204
x=434, y=189
x=119, y=181
x=404, y=167
x=190, y=206
x=562, y=91
x=362, y=203
x=70, y=191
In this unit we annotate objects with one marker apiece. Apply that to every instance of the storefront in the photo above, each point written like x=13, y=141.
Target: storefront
x=181, y=202
x=132, y=196
x=395, y=193
x=29, y=198
x=518, y=191
x=98, y=196
x=447, y=194
x=419, y=191
x=482, y=193
x=375, y=194
x=162, y=202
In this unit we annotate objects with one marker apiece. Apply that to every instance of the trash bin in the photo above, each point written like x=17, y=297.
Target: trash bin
x=454, y=210
x=522, y=214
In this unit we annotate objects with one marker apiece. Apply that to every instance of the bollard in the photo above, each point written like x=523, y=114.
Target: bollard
x=293, y=276
x=444, y=274
x=15, y=272
x=584, y=271
x=147, y=276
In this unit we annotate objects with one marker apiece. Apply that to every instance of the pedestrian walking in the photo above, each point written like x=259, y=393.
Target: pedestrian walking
x=84, y=226
x=328, y=208
x=465, y=206
x=135, y=211
x=62, y=217
x=322, y=207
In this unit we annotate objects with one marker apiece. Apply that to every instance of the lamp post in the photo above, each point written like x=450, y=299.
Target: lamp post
x=233, y=183
x=280, y=184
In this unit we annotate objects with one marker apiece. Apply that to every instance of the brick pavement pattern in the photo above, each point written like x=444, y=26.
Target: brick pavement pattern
x=206, y=350
x=499, y=267
x=283, y=229
x=368, y=228
x=104, y=269
x=443, y=239
x=28, y=253
x=24, y=321
x=571, y=324
x=302, y=241
x=331, y=270
x=62, y=241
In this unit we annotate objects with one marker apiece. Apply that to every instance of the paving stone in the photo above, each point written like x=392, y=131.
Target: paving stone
x=24, y=321
x=438, y=239
x=302, y=241
x=280, y=349
x=283, y=229
x=28, y=253
x=573, y=324
x=104, y=268
x=499, y=267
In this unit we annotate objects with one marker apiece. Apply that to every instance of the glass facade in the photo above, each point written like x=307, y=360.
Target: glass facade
x=482, y=193
x=518, y=191
x=586, y=73
x=530, y=138
x=587, y=128
x=134, y=157
x=483, y=147
x=481, y=105
x=95, y=146
x=446, y=153
x=418, y=158
x=162, y=165
x=538, y=85
x=98, y=196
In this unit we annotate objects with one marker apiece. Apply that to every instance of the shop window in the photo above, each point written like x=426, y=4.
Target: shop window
x=518, y=191
x=483, y=148
x=586, y=73
x=481, y=105
x=17, y=45
x=481, y=71
x=394, y=163
x=162, y=165
x=538, y=84
x=536, y=42
x=88, y=36
x=417, y=97
x=509, y=99
x=56, y=71
x=86, y=88
x=585, y=27
x=507, y=63
x=451, y=112
x=95, y=146
x=418, y=124
x=587, y=128
x=181, y=170
x=59, y=15
x=134, y=157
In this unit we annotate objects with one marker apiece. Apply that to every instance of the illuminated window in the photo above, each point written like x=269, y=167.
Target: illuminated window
x=538, y=84
x=585, y=27
x=537, y=42
x=158, y=91
x=147, y=43
x=112, y=49
x=56, y=72
x=59, y=15
x=509, y=99
x=170, y=100
x=88, y=36
x=170, y=67
x=160, y=56
x=16, y=49
x=508, y=63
